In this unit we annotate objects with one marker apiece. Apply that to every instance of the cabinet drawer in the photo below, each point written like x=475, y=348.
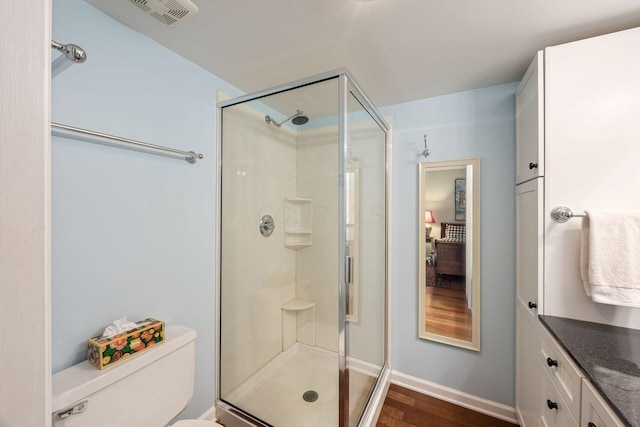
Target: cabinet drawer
x=562, y=371
x=595, y=412
x=553, y=409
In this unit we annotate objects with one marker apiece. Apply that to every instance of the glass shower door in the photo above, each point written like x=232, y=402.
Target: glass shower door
x=365, y=234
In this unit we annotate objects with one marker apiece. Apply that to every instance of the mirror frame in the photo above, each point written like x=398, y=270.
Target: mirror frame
x=473, y=232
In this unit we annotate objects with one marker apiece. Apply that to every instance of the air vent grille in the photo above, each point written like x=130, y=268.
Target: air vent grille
x=167, y=11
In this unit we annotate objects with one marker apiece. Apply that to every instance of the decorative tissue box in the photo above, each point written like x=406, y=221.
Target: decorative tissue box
x=105, y=352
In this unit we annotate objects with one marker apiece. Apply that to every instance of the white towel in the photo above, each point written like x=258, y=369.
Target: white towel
x=610, y=256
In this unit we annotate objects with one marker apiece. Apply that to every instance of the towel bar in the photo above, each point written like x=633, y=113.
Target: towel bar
x=564, y=214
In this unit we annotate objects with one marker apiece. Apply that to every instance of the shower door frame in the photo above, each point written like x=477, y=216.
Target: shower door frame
x=236, y=417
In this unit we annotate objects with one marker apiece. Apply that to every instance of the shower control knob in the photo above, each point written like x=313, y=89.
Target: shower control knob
x=533, y=305
x=267, y=225
x=533, y=165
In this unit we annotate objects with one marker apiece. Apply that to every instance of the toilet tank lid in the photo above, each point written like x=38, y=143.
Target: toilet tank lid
x=78, y=381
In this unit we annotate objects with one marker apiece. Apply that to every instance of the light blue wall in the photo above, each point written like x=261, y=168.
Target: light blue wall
x=478, y=123
x=133, y=233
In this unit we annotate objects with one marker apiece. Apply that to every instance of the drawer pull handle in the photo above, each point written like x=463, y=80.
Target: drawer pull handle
x=533, y=165
x=552, y=405
x=552, y=362
x=533, y=305
x=591, y=424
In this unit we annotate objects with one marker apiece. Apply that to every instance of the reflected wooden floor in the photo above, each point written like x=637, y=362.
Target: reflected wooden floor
x=408, y=408
x=447, y=313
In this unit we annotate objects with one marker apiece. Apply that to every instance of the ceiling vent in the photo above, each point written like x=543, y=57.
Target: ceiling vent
x=168, y=12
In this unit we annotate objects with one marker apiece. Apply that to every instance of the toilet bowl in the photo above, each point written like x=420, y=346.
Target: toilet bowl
x=149, y=389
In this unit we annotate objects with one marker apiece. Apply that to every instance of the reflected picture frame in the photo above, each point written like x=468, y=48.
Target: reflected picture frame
x=460, y=207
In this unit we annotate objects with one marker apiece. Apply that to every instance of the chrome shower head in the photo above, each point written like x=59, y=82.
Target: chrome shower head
x=300, y=119
x=297, y=119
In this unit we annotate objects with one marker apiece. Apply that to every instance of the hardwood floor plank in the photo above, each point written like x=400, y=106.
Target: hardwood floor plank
x=401, y=397
x=408, y=408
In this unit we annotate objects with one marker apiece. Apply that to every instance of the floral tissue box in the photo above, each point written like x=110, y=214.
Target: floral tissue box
x=105, y=352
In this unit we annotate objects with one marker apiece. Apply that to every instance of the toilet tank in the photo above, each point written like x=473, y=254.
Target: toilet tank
x=148, y=390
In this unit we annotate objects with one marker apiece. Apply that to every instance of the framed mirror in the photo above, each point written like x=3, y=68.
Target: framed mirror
x=449, y=252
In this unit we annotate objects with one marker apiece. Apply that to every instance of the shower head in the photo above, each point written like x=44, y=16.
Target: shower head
x=297, y=119
x=300, y=119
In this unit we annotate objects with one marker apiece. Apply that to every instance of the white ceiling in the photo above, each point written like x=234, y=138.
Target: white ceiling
x=398, y=50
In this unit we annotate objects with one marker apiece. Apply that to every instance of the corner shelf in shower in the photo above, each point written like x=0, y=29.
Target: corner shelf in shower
x=298, y=322
x=298, y=222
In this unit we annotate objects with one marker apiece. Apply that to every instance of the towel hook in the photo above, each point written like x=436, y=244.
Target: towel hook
x=564, y=214
x=426, y=151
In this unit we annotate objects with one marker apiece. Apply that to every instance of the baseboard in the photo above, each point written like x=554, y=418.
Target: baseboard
x=209, y=415
x=460, y=398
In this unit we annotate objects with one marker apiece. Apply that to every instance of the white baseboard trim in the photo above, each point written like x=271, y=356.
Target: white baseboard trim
x=460, y=398
x=209, y=415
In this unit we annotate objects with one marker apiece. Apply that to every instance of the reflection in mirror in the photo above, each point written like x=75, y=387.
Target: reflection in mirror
x=448, y=252
x=352, y=211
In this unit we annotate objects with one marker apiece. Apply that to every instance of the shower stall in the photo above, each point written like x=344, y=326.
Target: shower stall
x=302, y=312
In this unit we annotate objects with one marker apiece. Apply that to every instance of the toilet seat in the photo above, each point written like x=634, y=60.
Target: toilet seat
x=196, y=423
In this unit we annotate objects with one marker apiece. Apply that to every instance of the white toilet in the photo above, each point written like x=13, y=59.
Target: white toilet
x=149, y=390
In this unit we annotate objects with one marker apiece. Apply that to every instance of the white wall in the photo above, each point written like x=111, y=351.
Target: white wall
x=478, y=123
x=25, y=354
x=258, y=273
x=317, y=266
x=591, y=159
x=133, y=233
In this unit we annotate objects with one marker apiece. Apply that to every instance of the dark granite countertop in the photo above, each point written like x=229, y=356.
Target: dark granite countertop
x=610, y=357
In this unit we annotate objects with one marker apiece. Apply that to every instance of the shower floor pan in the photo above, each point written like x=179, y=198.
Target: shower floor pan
x=279, y=392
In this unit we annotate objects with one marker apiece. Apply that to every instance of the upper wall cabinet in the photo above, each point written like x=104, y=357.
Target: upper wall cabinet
x=530, y=122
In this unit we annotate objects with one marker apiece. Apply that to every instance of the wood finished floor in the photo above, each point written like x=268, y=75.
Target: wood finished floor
x=447, y=313
x=407, y=408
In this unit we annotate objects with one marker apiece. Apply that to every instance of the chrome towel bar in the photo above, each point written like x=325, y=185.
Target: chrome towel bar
x=71, y=54
x=564, y=214
x=89, y=135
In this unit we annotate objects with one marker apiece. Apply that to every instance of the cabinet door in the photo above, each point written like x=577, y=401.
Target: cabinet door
x=528, y=370
x=530, y=123
x=529, y=246
x=595, y=412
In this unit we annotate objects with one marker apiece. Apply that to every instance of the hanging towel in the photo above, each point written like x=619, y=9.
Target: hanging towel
x=610, y=256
